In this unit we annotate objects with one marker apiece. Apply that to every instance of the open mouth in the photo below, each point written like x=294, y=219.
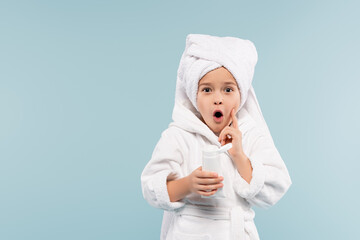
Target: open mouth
x=218, y=116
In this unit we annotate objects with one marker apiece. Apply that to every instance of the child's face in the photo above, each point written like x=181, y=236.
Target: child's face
x=217, y=91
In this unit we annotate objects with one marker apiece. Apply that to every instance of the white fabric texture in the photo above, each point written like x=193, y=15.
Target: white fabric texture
x=178, y=152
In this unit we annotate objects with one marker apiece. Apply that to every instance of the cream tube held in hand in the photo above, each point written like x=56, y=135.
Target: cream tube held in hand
x=211, y=162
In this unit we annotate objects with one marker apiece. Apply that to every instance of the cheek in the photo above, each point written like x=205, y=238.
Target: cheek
x=237, y=105
x=236, y=101
x=203, y=107
x=200, y=104
x=201, y=99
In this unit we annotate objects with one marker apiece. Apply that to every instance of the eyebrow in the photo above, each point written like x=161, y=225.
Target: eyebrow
x=227, y=83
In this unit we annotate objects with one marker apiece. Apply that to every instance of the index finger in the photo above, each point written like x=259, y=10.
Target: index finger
x=235, y=122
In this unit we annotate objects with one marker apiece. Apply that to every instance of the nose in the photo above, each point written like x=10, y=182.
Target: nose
x=218, y=99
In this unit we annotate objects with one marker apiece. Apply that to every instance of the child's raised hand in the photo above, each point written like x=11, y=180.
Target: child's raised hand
x=202, y=181
x=232, y=135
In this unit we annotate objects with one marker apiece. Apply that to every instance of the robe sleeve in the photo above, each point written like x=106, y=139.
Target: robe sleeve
x=270, y=177
x=163, y=166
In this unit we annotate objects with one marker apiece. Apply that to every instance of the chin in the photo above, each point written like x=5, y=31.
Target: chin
x=216, y=131
x=215, y=128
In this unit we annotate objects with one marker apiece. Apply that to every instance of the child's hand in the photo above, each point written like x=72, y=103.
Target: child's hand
x=232, y=135
x=200, y=181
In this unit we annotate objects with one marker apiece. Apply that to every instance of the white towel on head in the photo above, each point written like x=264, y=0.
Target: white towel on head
x=204, y=53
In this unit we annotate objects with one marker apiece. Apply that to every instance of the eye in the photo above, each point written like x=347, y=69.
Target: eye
x=228, y=90
x=206, y=90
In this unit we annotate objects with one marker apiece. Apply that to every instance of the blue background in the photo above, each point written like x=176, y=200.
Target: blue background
x=87, y=87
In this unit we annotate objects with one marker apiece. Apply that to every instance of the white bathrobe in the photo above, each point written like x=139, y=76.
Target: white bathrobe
x=179, y=152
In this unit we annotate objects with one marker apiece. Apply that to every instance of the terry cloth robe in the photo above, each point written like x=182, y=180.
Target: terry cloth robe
x=179, y=152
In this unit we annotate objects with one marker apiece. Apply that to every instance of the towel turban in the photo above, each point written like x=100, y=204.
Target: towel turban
x=204, y=53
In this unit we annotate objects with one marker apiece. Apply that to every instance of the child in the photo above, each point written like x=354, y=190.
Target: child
x=215, y=104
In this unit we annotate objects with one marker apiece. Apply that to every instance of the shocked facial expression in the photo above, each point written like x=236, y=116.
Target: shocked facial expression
x=217, y=95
